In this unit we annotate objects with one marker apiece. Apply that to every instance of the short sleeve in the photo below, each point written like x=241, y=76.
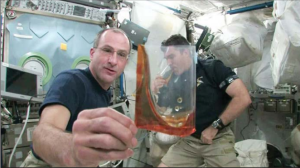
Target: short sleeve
x=65, y=90
x=223, y=75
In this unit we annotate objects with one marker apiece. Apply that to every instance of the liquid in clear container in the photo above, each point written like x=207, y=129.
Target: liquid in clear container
x=166, y=90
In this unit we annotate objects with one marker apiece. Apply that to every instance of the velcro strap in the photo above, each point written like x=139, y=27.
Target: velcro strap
x=228, y=81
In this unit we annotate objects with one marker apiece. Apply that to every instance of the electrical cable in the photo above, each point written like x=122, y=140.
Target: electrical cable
x=143, y=137
x=124, y=84
x=140, y=161
x=6, y=114
x=19, y=118
x=16, y=144
x=250, y=109
x=6, y=110
x=23, y=129
x=140, y=139
x=104, y=164
x=118, y=163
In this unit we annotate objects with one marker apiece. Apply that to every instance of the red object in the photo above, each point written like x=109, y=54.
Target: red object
x=146, y=116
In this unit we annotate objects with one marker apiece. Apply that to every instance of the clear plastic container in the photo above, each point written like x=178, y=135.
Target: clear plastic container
x=166, y=89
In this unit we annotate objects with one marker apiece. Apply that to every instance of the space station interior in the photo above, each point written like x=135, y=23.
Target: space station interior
x=257, y=40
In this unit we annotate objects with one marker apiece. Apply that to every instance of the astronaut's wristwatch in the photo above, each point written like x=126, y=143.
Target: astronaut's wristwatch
x=218, y=124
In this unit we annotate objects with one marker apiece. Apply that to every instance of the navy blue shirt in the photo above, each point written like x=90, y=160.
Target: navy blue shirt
x=77, y=90
x=211, y=98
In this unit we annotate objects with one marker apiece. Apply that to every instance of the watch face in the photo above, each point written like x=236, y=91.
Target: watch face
x=215, y=124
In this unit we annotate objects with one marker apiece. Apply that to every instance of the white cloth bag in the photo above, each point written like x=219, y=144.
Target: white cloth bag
x=252, y=153
x=285, y=47
x=239, y=43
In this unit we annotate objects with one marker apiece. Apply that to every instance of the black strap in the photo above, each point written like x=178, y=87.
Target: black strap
x=228, y=81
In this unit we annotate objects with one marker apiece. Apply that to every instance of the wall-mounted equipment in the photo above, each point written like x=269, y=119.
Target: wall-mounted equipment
x=13, y=132
x=20, y=83
x=58, y=7
x=270, y=105
x=20, y=155
x=96, y=3
x=285, y=105
x=282, y=89
x=279, y=105
x=136, y=33
x=50, y=36
x=290, y=122
x=205, y=30
x=208, y=39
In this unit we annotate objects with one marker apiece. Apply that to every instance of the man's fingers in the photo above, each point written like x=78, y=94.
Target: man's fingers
x=106, y=125
x=159, y=82
x=86, y=155
x=158, y=86
x=159, y=77
x=206, y=140
x=108, y=112
x=102, y=141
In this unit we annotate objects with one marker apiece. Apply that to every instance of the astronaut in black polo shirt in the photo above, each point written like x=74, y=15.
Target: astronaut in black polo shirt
x=220, y=98
x=173, y=101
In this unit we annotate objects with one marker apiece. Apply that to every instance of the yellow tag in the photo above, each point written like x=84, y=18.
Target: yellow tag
x=63, y=46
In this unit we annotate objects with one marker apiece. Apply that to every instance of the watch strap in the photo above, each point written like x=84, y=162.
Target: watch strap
x=220, y=122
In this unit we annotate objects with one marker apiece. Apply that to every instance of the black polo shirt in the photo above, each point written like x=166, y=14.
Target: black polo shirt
x=211, y=98
x=177, y=93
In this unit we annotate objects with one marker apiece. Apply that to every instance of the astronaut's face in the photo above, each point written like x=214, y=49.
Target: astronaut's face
x=178, y=60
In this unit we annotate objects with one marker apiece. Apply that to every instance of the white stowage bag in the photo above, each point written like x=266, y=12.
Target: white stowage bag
x=261, y=72
x=252, y=153
x=285, y=48
x=164, y=139
x=278, y=8
x=239, y=43
x=295, y=140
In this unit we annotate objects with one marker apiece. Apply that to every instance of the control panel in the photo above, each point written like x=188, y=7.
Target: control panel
x=61, y=8
x=282, y=89
x=279, y=105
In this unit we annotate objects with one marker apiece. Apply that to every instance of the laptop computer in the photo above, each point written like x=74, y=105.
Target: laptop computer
x=136, y=33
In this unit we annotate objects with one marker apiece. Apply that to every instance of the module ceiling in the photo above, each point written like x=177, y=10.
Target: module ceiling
x=202, y=7
x=206, y=6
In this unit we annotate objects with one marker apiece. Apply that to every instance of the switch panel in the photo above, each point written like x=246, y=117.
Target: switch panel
x=285, y=105
x=270, y=105
x=61, y=8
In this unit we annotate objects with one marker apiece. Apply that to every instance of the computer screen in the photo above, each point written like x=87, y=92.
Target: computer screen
x=21, y=82
x=135, y=33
